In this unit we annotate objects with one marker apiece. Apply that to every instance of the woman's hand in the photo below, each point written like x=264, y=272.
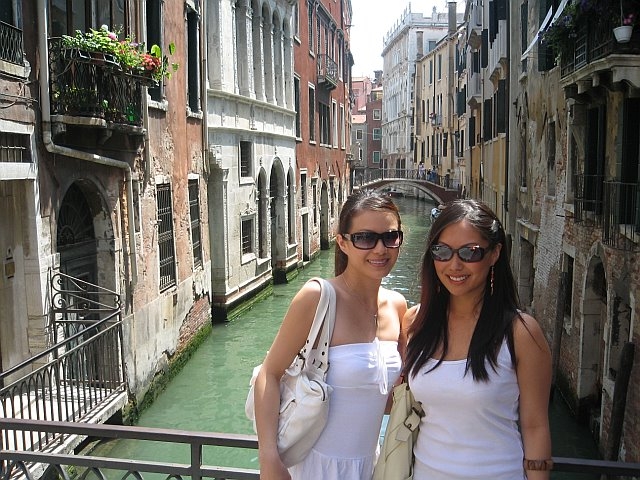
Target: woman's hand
x=272, y=468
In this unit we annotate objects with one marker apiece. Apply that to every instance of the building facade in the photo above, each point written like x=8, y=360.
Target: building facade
x=575, y=181
x=103, y=182
x=408, y=40
x=251, y=142
x=440, y=111
x=322, y=93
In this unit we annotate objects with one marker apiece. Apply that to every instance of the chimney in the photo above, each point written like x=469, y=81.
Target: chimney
x=453, y=21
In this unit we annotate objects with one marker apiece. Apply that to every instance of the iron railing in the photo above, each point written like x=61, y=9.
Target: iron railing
x=327, y=71
x=11, y=46
x=25, y=464
x=92, y=84
x=621, y=215
x=595, y=40
x=77, y=377
x=587, y=199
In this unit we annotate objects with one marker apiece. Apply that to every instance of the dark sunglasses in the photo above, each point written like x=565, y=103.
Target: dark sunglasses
x=368, y=240
x=444, y=253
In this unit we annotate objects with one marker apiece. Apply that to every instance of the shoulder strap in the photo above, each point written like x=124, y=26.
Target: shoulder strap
x=321, y=330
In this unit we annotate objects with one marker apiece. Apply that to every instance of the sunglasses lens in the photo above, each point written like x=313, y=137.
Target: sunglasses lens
x=392, y=239
x=471, y=254
x=364, y=240
x=441, y=253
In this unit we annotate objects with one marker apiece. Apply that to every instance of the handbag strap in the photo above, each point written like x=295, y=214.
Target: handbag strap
x=321, y=328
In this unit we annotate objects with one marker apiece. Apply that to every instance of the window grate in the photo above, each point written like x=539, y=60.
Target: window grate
x=247, y=236
x=166, y=247
x=194, y=213
x=14, y=148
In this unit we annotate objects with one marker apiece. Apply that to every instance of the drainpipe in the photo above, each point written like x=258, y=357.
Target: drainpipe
x=52, y=147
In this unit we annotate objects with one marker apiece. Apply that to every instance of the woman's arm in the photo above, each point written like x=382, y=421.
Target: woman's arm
x=533, y=367
x=289, y=340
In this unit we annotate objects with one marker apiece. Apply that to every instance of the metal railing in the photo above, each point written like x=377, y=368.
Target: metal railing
x=587, y=199
x=23, y=464
x=595, y=40
x=92, y=84
x=327, y=71
x=621, y=215
x=11, y=47
x=79, y=375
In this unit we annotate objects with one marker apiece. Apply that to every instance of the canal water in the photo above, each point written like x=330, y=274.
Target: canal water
x=209, y=393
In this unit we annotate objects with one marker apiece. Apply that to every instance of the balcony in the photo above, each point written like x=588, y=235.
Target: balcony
x=596, y=57
x=588, y=199
x=327, y=72
x=11, y=44
x=611, y=206
x=90, y=88
x=474, y=88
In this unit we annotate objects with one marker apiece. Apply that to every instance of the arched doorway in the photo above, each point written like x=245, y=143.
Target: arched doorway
x=278, y=222
x=76, y=239
x=324, y=217
x=594, y=315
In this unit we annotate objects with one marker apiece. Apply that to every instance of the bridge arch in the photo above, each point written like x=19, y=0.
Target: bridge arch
x=436, y=192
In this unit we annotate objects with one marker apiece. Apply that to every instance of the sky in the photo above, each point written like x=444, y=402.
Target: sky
x=372, y=20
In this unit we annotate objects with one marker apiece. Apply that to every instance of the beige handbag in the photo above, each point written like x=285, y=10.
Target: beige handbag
x=396, y=456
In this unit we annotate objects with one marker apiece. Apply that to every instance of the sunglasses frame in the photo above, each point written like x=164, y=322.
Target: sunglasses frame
x=456, y=251
x=378, y=237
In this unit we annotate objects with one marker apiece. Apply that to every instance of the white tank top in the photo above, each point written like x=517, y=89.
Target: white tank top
x=470, y=430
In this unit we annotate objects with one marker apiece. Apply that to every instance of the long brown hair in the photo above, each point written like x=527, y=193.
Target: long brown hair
x=360, y=201
x=499, y=307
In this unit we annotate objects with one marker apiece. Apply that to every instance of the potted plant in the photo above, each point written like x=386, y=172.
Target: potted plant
x=126, y=54
x=625, y=21
x=624, y=31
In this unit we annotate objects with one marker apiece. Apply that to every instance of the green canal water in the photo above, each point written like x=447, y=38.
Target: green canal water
x=209, y=393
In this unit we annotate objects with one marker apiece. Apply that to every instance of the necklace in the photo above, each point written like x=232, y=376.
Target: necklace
x=361, y=301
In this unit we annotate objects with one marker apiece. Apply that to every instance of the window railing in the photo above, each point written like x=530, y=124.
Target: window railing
x=92, y=84
x=621, y=215
x=11, y=47
x=587, y=199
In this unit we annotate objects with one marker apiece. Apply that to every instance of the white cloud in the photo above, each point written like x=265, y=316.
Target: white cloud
x=373, y=19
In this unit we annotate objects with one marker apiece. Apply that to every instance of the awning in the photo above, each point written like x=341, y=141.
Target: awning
x=548, y=21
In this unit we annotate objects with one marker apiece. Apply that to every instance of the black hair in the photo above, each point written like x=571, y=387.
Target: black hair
x=360, y=201
x=500, y=308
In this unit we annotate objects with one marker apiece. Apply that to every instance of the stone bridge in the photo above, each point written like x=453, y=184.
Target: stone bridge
x=438, y=193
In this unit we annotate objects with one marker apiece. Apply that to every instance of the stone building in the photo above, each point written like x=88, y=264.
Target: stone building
x=408, y=40
x=440, y=110
x=322, y=124
x=575, y=182
x=102, y=182
x=251, y=133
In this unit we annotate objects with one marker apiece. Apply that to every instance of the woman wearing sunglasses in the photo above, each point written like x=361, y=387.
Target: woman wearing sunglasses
x=479, y=365
x=363, y=352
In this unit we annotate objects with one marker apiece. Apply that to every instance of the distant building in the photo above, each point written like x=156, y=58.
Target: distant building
x=408, y=40
x=322, y=77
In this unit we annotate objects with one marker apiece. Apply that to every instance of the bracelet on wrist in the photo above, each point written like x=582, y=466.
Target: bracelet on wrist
x=543, y=464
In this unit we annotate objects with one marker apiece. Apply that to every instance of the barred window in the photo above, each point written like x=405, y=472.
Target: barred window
x=166, y=246
x=246, y=228
x=246, y=159
x=14, y=148
x=194, y=214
